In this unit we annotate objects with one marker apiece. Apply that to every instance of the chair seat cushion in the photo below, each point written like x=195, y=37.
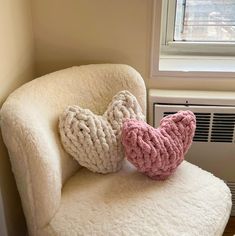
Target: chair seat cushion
x=191, y=202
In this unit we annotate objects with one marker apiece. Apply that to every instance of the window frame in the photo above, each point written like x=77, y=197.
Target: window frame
x=171, y=47
x=156, y=72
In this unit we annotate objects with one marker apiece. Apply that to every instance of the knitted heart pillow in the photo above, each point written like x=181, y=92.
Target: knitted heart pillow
x=158, y=152
x=95, y=141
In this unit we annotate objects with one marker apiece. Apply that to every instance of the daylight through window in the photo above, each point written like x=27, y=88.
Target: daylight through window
x=204, y=20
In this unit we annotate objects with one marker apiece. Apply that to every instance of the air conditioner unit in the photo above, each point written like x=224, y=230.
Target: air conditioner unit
x=213, y=147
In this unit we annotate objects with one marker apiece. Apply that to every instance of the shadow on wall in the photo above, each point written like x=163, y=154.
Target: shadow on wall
x=62, y=57
x=14, y=81
x=10, y=195
x=11, y=204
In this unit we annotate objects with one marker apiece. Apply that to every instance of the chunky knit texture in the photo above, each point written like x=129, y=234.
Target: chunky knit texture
x=93, y=140
x=158, y=152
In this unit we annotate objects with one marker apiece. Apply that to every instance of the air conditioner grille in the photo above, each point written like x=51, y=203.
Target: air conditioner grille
x=168, y=113
x=213, y=127
x=223, y=127
x=203, y=127
x=231, y=185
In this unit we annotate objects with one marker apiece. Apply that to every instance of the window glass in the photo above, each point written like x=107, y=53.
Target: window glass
x=205, y=20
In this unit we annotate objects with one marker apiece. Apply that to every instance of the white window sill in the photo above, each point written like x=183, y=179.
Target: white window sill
x=196, y=64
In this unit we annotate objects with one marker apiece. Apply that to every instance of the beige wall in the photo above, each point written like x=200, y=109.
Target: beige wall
x=16, y=67
x=75, y=32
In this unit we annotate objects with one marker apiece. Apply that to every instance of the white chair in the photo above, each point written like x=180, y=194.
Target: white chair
x=59, y=198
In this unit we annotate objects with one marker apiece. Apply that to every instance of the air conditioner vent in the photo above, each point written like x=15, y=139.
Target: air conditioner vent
x=217, y=127
x=203, y=126
x=222, y=127
x=231, y=185
x=168, y=113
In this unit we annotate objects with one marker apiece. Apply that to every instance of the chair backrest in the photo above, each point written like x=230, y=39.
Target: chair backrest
x=29, y=123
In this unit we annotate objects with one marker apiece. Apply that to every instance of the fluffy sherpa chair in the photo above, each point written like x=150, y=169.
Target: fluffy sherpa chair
x=59, y=198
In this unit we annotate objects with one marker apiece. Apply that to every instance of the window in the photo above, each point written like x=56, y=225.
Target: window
x=190, y=27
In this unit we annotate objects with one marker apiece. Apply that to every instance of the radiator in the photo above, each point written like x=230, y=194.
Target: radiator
x=213, y=147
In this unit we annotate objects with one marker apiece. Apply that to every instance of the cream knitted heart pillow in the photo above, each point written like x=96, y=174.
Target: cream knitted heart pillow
x=95, y=141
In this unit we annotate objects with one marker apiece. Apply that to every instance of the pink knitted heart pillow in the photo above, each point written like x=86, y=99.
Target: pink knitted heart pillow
x=158, y=152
